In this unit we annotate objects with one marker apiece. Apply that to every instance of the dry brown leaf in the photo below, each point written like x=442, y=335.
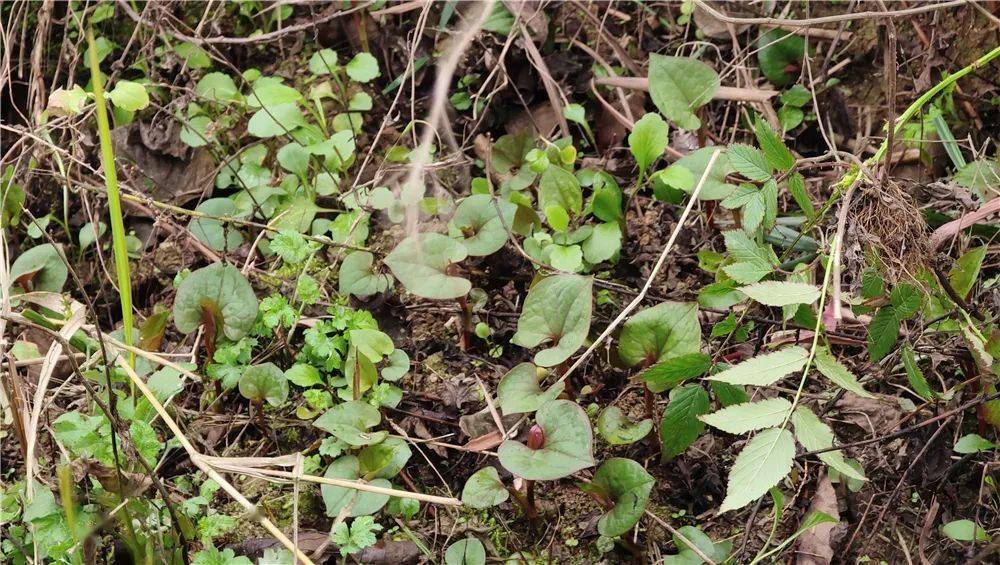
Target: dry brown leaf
x=815, y=545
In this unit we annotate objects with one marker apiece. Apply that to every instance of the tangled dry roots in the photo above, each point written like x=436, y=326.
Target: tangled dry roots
x=886, y=229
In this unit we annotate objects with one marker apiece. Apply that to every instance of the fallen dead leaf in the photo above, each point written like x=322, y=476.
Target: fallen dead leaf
x=815, y=547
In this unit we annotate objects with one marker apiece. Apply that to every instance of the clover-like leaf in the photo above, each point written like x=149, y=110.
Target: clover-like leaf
x=666, y=330
x=264, y=382
x=616, y=429
x=421, y=263
x=484, y=489
x=336, y=498
x=40, y=268
x=351, y=421
x=478, y=226
x=557, y=311
x=518, y=391
x=624, y=483
x=468, y=551
x=566, y=447
x=679, y=86
x=219, y=290
x=358, y=277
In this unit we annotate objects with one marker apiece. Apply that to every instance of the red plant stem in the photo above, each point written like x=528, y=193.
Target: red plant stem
x=466, y=329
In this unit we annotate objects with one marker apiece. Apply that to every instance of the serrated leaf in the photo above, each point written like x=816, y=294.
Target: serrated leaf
x=484, y=489
x=556, y=312
x=797, y=188
x=764, y=370
x=750, y=162
x=616, y=429
x=660, y=332
x=679, y=86
x=567, y=448
x=363, y=67
x=519, y=392
x=914, y=375
x=421, y=263
x=766, y=459
x=907, y=299
x=832, y=369
x=673, y=371
x=814, y=435
x=680, y=426
x=775, y=151
x=882, y=333
x=743, y=418
x=781, y=293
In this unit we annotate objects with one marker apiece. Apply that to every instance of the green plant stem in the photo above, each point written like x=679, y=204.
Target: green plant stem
x=114, y=199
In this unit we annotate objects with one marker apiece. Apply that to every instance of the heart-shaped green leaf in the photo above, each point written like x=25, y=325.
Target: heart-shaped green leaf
x=616, y=429
x=625, y=483
x=484, y=489
x=715, y=188
x=478, y=226
x=384, y=460
x=42, y=267
x=214, y=233
x=557, y=311
x=518, y=391
x=666, y=330
x=567, y=447
x=264, y=382
x=399, y=364
x=780, y=55
x=717, y=552
x=350, y=422
x=421, y=262
x=336, y=498
x=357, y=276
x=679, y=86
x=373, y=344
x=468, y=551
x=222, y=290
